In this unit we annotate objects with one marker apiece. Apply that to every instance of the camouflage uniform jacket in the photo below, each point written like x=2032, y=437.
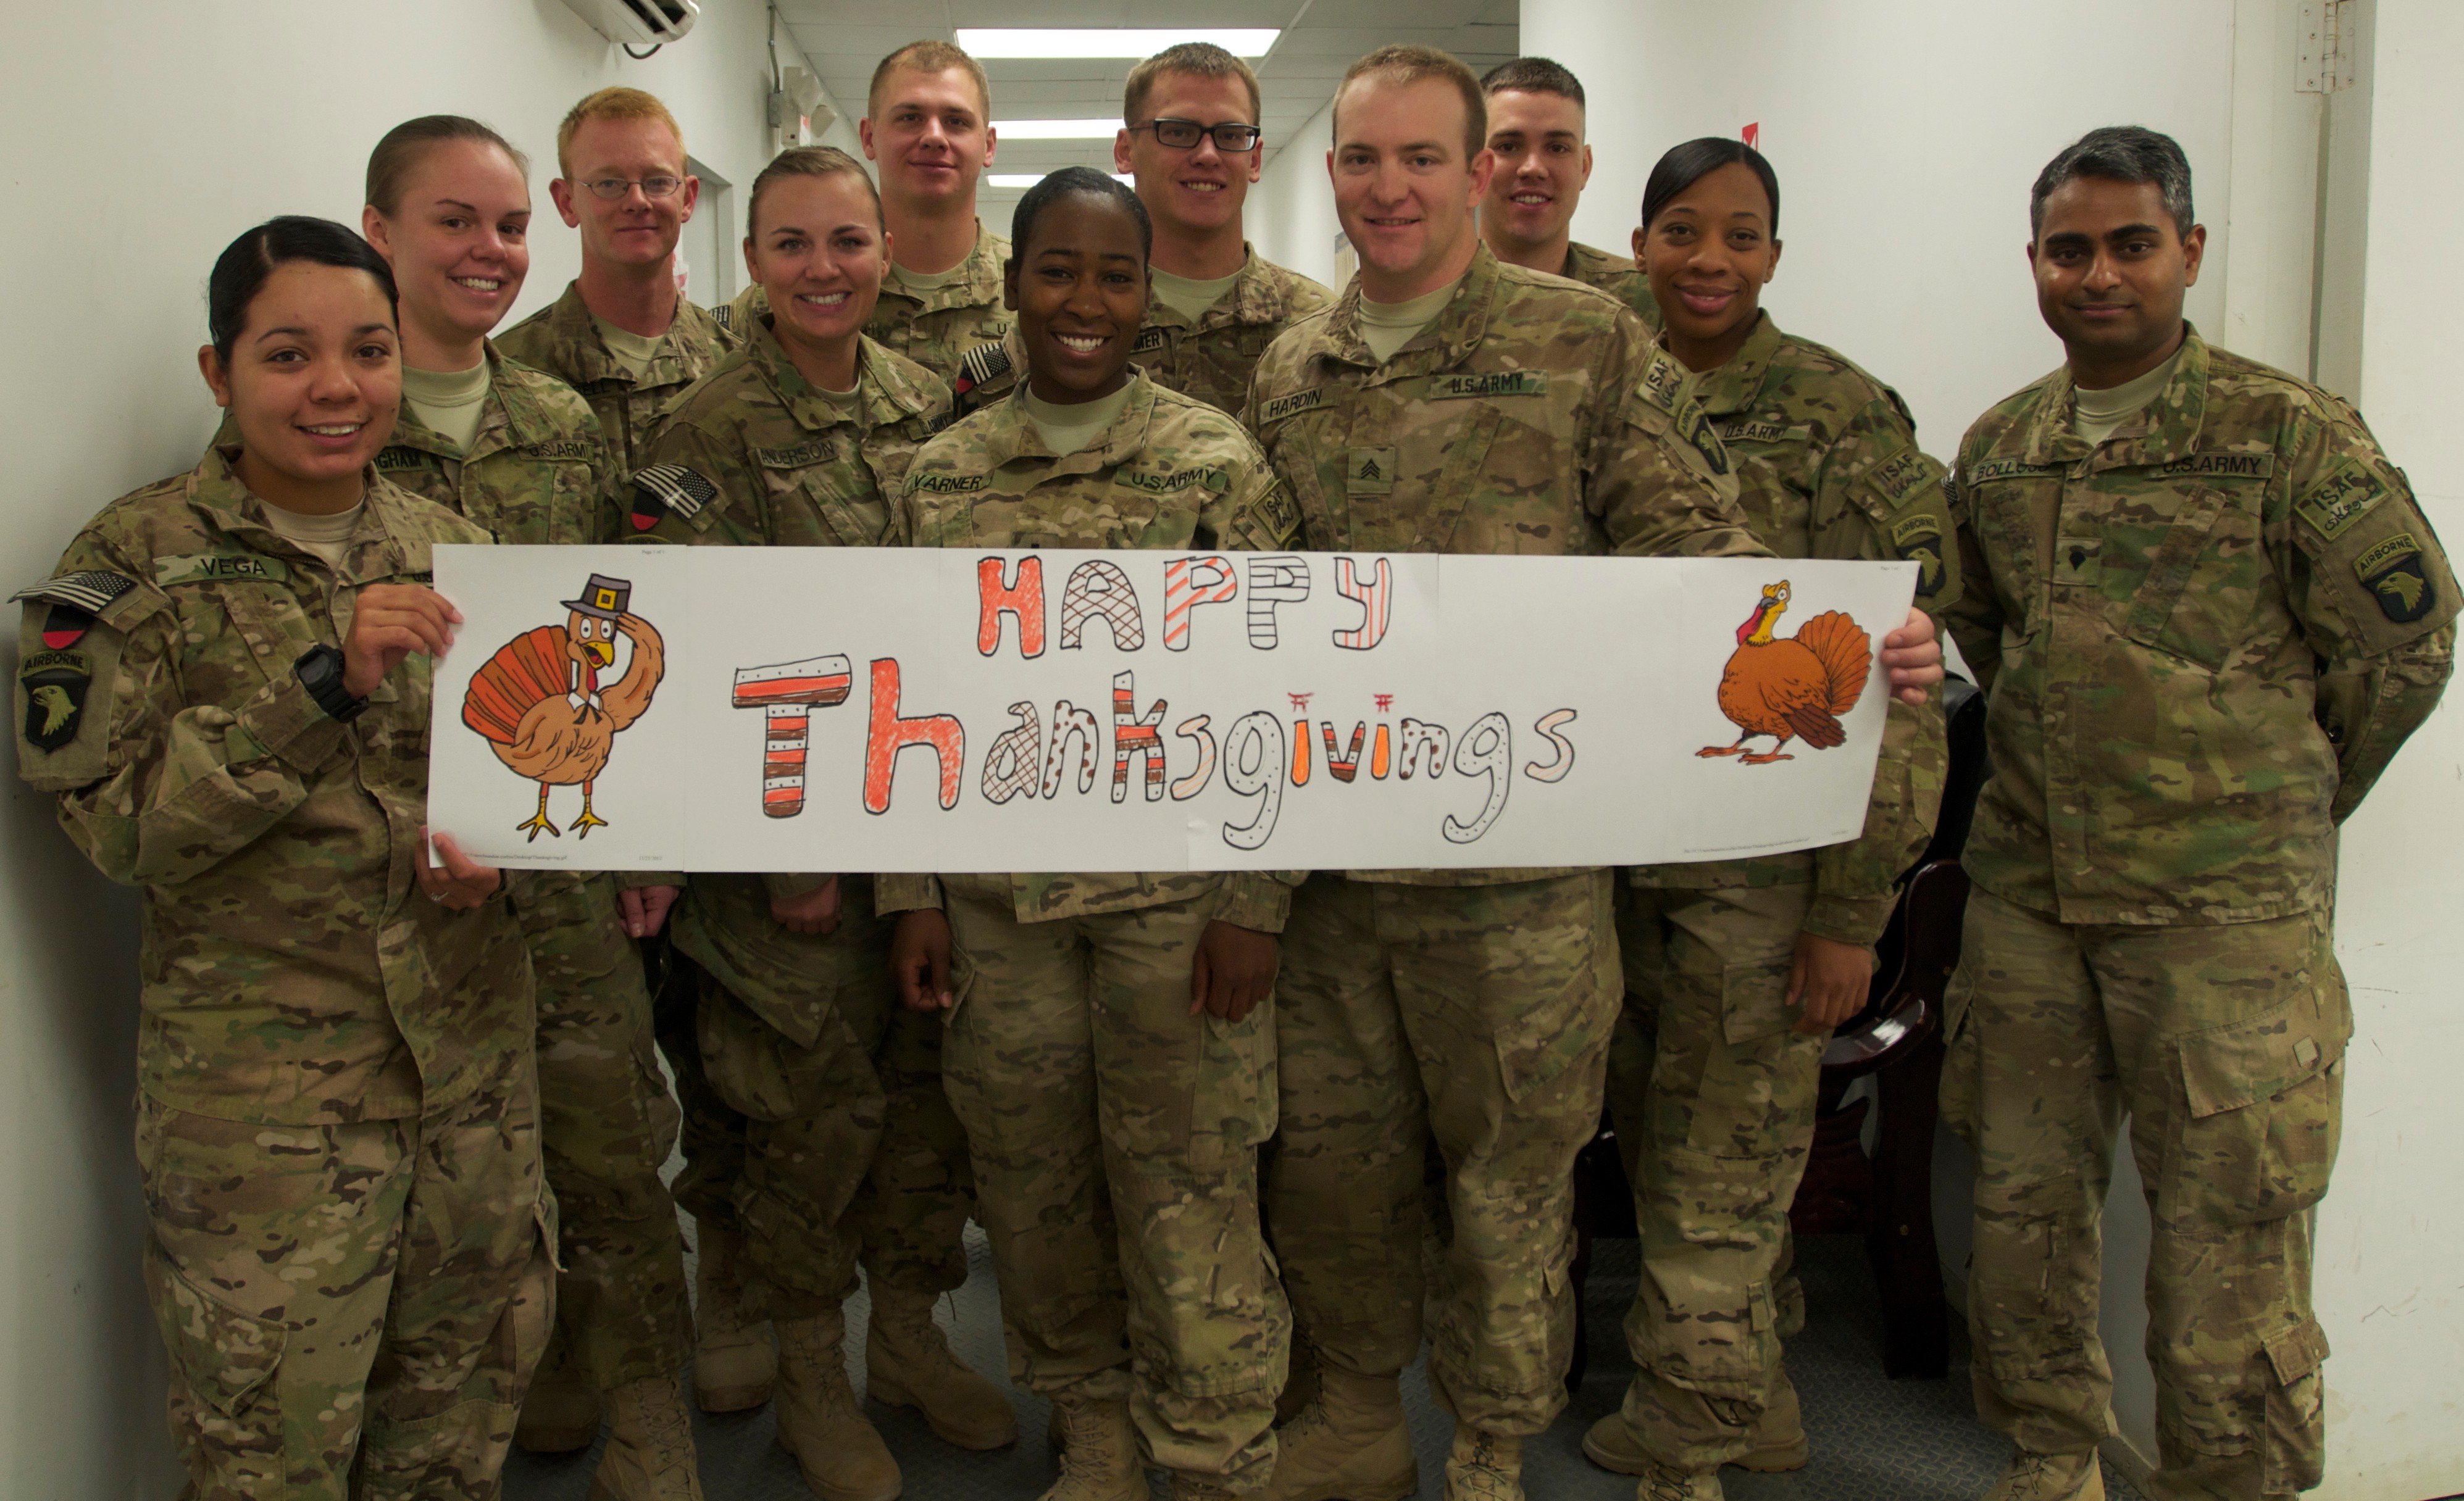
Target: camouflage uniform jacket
x=1211, y=358
x=540, y=468
x=1532, y=417
x=292, y=970
x=1829, y=460
x=561, y=339
x=789, y=467
x=2205, y=638
x=1620, y=278
x=1169, y=472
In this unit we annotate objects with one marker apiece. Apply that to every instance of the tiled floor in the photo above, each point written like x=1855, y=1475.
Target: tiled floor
x=1874, y=1439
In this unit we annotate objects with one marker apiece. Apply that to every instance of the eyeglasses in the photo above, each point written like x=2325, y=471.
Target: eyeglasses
x=612, y=188
x=1183, y=133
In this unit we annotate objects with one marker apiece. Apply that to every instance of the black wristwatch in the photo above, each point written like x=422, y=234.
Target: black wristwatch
x=319, y=669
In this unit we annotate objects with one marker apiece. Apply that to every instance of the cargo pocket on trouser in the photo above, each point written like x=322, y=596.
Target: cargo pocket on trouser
x=1963, y=1066
x=2264, y=1111
x=1539, y=1041
x=745, y=1059
x=223, y=1364
x=2295, y=1443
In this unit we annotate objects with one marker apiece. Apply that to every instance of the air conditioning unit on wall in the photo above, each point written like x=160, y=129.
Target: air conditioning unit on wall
x=639, y=23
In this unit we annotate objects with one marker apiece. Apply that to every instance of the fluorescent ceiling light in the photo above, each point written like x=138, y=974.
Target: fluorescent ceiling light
x=1030, y=179
x=1107, y=41
x=1056, y=129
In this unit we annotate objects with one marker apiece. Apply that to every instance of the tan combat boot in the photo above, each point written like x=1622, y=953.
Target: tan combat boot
x=560, y=1411
x=1350, y=1445
x=837, y=1448
x=734, y=1365
x=1099, y=1452
x=2050, y=1477
x=1778, y=1439
x=1190, y=1488
x=1485, y=1467
x=1299, y=1385
x=650, y=1445
x=908, y=1364
x=1666, y=1482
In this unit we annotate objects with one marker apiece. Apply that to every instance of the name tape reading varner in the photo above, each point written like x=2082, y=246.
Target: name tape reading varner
x=892, y=710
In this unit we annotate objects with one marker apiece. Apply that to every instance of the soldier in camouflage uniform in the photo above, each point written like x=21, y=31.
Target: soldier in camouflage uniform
x=1736, y=971
x=1395, y=980
x=2208, y=612
x=627, y=138
x=1115, y=1130
x=1536, y=133
x=1213, y=305
x=537, y=469
x=800, y=439
x=350, y=1246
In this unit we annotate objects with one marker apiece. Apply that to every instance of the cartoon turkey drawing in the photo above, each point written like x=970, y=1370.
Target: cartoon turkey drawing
x=1794, y=687
x=540, y=701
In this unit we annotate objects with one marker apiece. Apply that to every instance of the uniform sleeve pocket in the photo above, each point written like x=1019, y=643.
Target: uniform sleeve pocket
x=2265, y=1106
x=222, y=1355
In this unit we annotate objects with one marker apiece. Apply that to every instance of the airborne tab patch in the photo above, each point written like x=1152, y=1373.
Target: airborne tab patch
x=1292, y=405
x=1918, y=539
x=2345, y=494
x=1496, y=382
x=2392, y=571
x=228, y=567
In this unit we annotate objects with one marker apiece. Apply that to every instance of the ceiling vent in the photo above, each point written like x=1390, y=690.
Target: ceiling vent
x=639, y=23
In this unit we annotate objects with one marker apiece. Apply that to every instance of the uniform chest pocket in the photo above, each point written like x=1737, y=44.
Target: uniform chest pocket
x=576, y=511
x=269, y=623
x=2203, y=580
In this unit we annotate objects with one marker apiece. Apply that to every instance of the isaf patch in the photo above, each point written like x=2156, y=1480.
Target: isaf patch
x=2342, y=496
x=54, y=685
x=1918, y=539
x=2392, y=571
x=1895, y=478
x=665, y=490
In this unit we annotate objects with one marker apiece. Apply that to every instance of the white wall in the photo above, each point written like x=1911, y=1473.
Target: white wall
x=2389, y=1291
x=143, y=137
x=1291, y=213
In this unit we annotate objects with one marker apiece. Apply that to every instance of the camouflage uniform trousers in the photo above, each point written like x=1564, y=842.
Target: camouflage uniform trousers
x=349, y=1309
x=1115, y=1140
x=607, y=1124
x=712, y=1133
x=2224, y=1045
x=1712, y=1091
x=851, y=1155
x=1478, y=1015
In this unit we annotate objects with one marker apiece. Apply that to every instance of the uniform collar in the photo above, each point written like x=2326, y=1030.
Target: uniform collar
x=2168, y=430
x=1259, y=297
x=980, y=286
x=509, y=419
x=886, y=395
x=692, y=343
x=1737, y=386
x=1451, y=336
x=377, y=547
x=1010, y=434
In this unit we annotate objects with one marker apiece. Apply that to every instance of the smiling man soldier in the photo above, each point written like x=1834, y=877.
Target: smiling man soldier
x=2207, y=612
x=1536, y=133
x=1450, y=402
x=1192, y=143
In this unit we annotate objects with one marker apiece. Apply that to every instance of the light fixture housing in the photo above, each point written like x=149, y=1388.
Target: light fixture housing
x=1104, y=41
x=1056, y=129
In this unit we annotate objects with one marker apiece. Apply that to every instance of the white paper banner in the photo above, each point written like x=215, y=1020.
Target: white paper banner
x=899, y=710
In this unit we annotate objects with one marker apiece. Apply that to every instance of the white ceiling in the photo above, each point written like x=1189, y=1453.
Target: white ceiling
x=1321, y=37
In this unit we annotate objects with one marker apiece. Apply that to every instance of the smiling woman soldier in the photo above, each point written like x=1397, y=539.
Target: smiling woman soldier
x=226, y=688
x=518, y=452
x=1112, y=1050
